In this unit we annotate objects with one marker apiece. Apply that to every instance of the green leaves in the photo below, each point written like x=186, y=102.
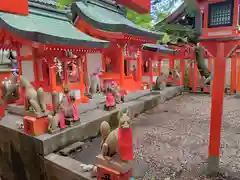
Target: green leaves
x=62, y=3
x=143, y=20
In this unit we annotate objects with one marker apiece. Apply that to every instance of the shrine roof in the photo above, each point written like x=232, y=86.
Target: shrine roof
x=47, y=25
x=110, y=17
x=159, y=48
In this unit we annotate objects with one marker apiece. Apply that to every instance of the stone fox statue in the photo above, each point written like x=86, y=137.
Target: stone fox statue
x=34, y=99
x=95, y=83
x=109, y=139
x=9, y=88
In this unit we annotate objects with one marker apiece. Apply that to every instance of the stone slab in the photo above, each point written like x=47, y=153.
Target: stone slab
x=58, y=168
x=99, y=101
x=90, y=122
x=73, y=147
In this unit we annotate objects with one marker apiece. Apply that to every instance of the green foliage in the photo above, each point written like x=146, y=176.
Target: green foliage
x=62, y=3
x=143, y=20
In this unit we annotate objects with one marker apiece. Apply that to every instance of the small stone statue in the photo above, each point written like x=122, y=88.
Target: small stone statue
x=111, y=141
x=10, y=89
x=110, y=103
x=117, y=93
x=34, y=99
x=95, y=83
x=160, y=83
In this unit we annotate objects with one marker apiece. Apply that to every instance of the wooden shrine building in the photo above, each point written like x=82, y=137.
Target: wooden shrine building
x=50, y=50
x=107, y=20
x=154, y=55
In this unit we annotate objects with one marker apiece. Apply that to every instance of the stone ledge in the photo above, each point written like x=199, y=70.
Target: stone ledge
x=61, y=167
x=47, y=143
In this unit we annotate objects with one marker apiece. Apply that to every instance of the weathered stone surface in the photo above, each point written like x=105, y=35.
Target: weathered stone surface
x=21, y=155
x=58, y=168
x=73, y=147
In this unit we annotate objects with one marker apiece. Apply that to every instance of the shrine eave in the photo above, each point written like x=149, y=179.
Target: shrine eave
x=110, y=18
x=159, y=48
x=48, y=27
x=176, y=15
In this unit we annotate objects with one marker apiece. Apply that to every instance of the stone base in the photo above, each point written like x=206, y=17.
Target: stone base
x=109, y=108
x=55, y=131
x=213, y=165
x=115, y=164
x=20, y=111
x=71, y=121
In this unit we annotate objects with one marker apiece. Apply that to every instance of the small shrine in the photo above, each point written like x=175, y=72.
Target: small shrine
x=49, y=62
x=123, y=61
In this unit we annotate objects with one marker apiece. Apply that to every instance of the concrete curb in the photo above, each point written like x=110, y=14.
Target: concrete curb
x=136, y=107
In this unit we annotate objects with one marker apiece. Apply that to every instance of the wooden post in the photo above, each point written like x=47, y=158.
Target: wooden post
x=80, y=71
x=85, y=71
x=103, y=62
x=35, y=68
x=21, y=89
x=150, y=67
x=233, y=74
x=190, y=74
x=121, y=65
x=216, y=109
x=159, y=67
x=65, y=72
x=182, y=71
x=210, y=64
x=238, y=76
x=195, y=77
x=139, y=67
x=52, y=77
x=171, y=63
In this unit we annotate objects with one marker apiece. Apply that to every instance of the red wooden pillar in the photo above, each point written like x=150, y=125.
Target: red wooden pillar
x=21, y=89
x=85, y=71
x=210, y=64
x=233, y=75
x=238, y=76
x=171, y=63
x=104, y=62
x=195, y=77
x=216, y=109
x=121, y=65
x=80, y=71
x=65, y=72
x=159, y=67
x=52, y=78
x=182, y=71
x=191, y=74
x=150, y=67
x=139, y=67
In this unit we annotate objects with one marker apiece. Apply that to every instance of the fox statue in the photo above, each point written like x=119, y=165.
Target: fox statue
x=110, y=139
x=95, y=82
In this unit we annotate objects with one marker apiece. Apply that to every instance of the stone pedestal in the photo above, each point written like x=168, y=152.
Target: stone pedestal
x=113, y=169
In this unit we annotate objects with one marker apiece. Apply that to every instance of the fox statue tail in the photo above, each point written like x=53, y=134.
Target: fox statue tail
x=105, y=130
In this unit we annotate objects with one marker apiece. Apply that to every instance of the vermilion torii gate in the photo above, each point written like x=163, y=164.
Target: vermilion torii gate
x=221, y=38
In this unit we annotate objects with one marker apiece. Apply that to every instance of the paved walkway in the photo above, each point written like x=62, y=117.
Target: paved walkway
x=171, y=141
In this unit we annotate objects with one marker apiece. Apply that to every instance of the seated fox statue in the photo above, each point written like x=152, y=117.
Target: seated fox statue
x=118, y=140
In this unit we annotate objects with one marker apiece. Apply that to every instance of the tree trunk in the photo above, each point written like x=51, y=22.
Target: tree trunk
x=202, y=67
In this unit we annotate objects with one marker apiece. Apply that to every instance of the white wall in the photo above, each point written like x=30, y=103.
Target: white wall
x=94, y=61
x=27, y=66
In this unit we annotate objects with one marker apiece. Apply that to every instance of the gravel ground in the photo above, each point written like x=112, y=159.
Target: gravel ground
x=173, y=139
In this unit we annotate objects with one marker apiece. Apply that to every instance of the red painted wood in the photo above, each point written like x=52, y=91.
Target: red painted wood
x=14, y=7
x=233, y=75
x=217, y=101
x=140, y=6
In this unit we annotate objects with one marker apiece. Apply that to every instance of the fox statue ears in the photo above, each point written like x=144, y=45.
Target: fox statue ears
x=120, y=114
x=126, y=113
